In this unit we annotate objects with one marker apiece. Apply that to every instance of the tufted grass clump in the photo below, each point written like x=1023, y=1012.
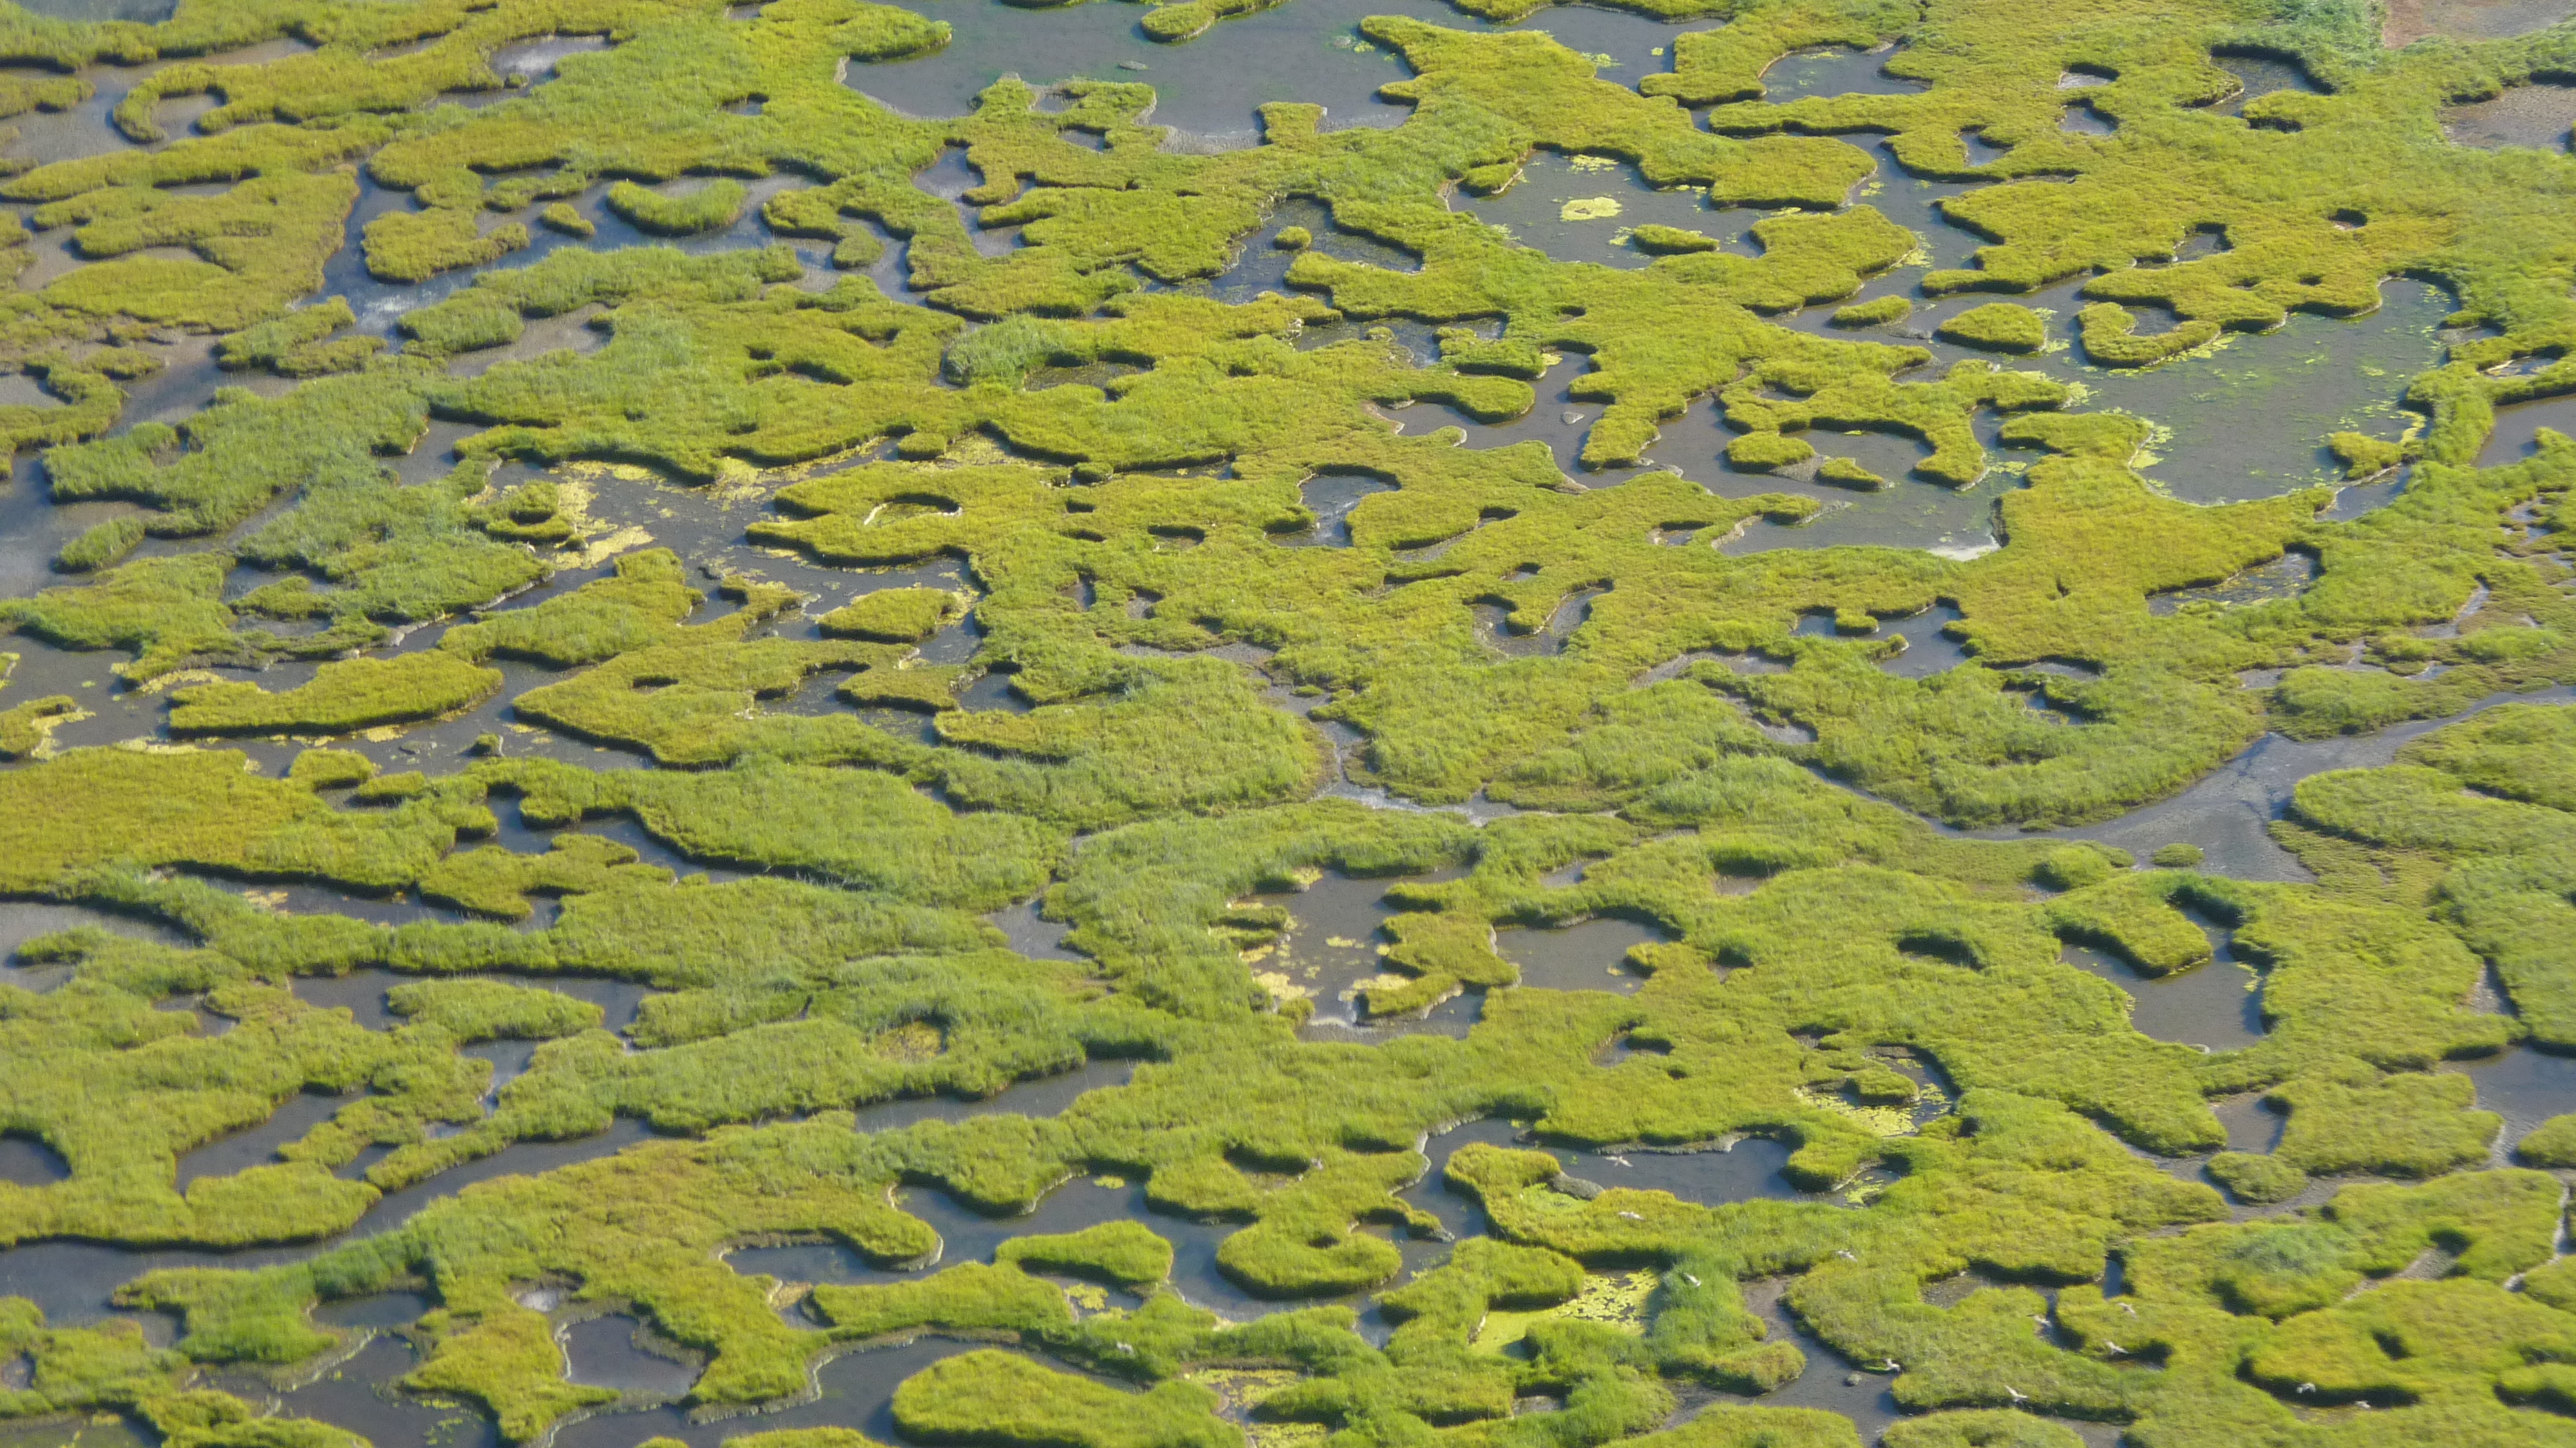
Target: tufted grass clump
x=1876, y=312
x=100, y=545
x=894, y=615
x=1286, y=641
x=2259, y=1179
x=344, y=696
x=717, y=204
x=1996, y=327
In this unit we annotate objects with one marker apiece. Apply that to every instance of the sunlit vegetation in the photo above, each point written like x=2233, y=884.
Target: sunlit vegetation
x=1039, y=582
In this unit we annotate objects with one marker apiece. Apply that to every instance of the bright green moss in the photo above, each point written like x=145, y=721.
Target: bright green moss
x=1844, y=472
x=295, y=344
x=27, y=728
x=348, y=695
x=1980, y=1429
x=494, y=881
x=998, y=1397
x=487, y=1010
x=894, y=615
x=94, y=806
x=2259, y=1179
x=330, y=769
x=2493, y=857
x=850, y=825
x=100, y=545
x=2366, y=456
x=1759, y=451
x=1126, y=1254
x=717, y=204
x=1876, y=312
x=1996, y=327
x=1813, y=940
x=413, y=246
x=2551, y=1144
x=168, y=611
x=2413, y=1124
x=2111, y=338
x=1670, y=240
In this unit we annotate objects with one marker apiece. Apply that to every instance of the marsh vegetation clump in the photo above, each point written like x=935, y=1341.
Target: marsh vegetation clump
x=1264, y=809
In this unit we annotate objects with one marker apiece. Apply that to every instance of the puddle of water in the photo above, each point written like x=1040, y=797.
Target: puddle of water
x=71, y=1281
x=1033, y=935
x=1980, y=151
x=1928, y=649
x=380, y=304
x=967, y=1235
x=2259, y=76
x=806, y=1262
x=2250, y=1124
x=2083, y=120
x=1954, y=523
x=24, y=920
x=2524, y=1086
x=83, y=129
x=1626, y=45
x=1332, y=941
x=1493, y=627
x=2412, y=20
x=1747, y=1171
x=993, y=690
x=1262, y=266
x=2216, y=1005
x=358, y=1395
x=1558, y=419
x=509, y=1062
x=257, y=1145
x=2246, y=419
x=1208, y=91
x=27, y=1162
x=381, y=1309
x=1914, y=203
x=856, y=1391
x=2518, y=425
x=141, y=12
x=2227, y=813
x=950, y=178
x=2538, y=116
x=2249, y=420
x=1330, y=499
x=529, y=61
x=603, y=1352
x=1558, y=206
x=33, y=528
x=1836, y=71
x=1043, y=1096
x=566, y=332
x=2287, y=576
x=618, y=1000
x=1461, y=1214
x=1831, y=1381
x=361, y=993
x=1586, y=956
x=2361, y=499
